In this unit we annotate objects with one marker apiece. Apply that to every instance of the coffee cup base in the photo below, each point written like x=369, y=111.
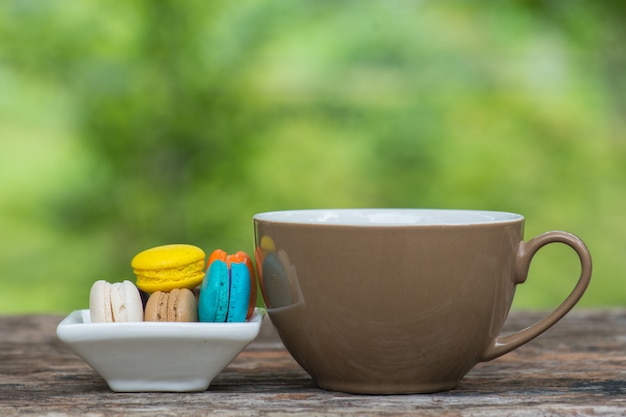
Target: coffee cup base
x=386, y=388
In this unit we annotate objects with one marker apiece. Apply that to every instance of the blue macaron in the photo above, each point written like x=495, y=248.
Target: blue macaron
x=224, y=293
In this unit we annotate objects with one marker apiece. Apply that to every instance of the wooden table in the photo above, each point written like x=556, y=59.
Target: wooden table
x=577, y=368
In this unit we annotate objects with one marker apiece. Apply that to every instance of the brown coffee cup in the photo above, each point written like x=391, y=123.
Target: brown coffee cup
x=383, y=301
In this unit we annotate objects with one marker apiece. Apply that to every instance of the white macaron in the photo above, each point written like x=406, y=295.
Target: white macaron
x=115, y=302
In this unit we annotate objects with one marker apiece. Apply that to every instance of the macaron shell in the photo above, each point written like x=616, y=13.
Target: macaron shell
x=253, y=284
x=187, y=276
x=100, y=302
x=118, y=302
x=134, y=303
x=156, y=307
x=182, y=306
x=167, y=256
x=172, y=300
x=126, y=303
x=239, y=293
x=214, y=293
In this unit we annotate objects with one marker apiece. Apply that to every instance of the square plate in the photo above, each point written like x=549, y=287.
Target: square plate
x=157, y=356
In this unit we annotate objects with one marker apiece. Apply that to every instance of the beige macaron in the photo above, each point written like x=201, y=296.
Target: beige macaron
x=177, y=305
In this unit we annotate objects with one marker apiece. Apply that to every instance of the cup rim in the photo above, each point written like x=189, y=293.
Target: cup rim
x=388, y=217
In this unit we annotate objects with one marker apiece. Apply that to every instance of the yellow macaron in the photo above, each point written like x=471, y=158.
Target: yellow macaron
x=164, y=268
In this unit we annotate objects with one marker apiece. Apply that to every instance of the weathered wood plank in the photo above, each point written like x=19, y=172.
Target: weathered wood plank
x=577, y=368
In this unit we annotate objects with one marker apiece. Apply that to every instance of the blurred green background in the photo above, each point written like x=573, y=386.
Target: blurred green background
x=126, y=125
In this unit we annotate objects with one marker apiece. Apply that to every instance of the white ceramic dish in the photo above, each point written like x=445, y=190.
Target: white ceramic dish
x=150, y=356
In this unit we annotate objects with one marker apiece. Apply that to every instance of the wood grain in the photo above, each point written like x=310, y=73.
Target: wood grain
x=577, y=368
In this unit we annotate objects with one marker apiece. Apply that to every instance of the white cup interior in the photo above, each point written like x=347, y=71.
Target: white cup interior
x=388, y=217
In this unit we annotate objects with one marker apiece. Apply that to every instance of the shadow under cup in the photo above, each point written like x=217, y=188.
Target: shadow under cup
x=398, y=301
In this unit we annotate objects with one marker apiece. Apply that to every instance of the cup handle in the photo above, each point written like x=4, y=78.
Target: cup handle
x=504, y=344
